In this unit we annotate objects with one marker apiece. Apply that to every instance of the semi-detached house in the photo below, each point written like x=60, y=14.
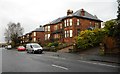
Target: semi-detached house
x=36, y=35
x=65, y=28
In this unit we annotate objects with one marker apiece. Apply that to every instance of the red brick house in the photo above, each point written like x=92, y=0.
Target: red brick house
x=64, y=29
x=36, y=35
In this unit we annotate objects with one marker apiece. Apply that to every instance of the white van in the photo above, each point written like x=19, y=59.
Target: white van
x=33, y=47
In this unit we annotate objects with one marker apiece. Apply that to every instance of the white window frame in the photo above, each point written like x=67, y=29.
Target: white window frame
x=34, y=39
x=65, y=34
x=65, y=23
x=48, y=28
x=45, y=28
x=96, y=25
x=48, y=36
x=78, y=21
x=70, y=22
x=34, y=34
x=71, y=33
x=45, y=36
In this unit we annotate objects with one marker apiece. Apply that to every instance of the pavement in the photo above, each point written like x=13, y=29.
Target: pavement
x=88, y=55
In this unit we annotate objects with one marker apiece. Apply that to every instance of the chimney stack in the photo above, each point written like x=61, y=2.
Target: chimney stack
x=69, y=12
x=82, y=12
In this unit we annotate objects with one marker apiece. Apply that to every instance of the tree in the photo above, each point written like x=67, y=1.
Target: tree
x=118, y=16
x=110, y=26
x=13, y=32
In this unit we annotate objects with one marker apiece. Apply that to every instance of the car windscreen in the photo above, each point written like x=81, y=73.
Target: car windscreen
x=36, y=46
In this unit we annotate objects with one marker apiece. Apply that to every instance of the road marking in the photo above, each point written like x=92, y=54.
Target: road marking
x=37, y=55
x=56, y=57
x=98, y=63
x=59, y=67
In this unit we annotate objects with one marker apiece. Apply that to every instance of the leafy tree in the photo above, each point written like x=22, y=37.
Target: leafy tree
x=13, y=32
x=110, y=26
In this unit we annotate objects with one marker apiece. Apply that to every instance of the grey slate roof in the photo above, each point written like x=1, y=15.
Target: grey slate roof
x=40, y=29
x=76, y=14
x=87, y=15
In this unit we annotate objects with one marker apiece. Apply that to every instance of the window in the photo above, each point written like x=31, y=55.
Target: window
x=71, y=33
x=65, y=34
x=65, y=23
x=70, y=22
x=34, y=39
x=34, y=34
x=45, y=28
x=78, y=31
x=55, y=27
x=45, y=36
x=90, y=24
x=78, y=22
x=60, y=26
x=48, y=36
x=56, y=36
x=48, y=28
x=96, y=25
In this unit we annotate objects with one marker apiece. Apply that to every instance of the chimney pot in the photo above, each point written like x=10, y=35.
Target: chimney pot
x=69, y=12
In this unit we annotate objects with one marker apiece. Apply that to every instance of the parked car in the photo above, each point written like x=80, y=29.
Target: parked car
x=8, y=47
x=21, y=48
x=33, y=48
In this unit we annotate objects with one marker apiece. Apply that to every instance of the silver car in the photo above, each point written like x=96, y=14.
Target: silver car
x=33, y=47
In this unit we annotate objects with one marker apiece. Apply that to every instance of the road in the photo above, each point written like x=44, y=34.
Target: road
x=14, y=61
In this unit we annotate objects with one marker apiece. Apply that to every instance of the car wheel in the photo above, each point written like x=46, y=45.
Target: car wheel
x=27, y=51
x=40, y=52
x=33, y=52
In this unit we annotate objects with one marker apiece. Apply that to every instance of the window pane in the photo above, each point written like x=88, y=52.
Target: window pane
x=34, y=39
x=48, y=28
x=78, y=22
x=65, y=34
x=34, y=33
x=65, y=23
x=45, y=28
x=71, y=33
x=48, y=36
x=70, y=22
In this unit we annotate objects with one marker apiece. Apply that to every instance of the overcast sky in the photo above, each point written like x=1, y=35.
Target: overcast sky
x=32, y=13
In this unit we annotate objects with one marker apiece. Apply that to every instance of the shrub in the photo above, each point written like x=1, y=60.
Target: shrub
x=90, y=38
x=53, y=44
